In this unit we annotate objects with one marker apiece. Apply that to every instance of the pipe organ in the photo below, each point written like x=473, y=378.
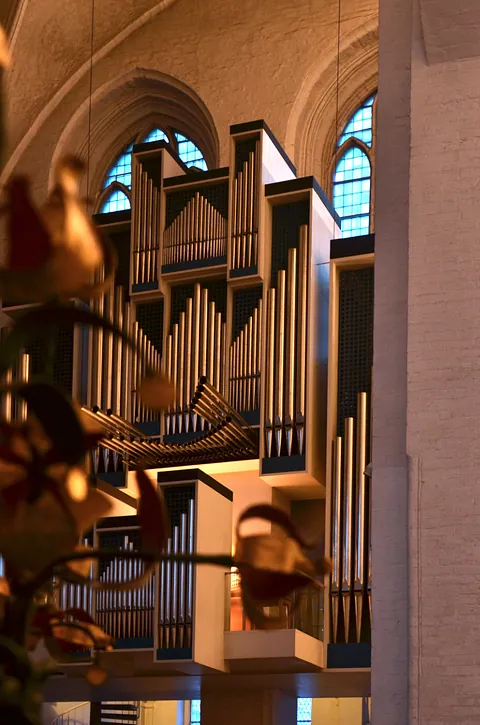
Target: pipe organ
x=351, y=366
x=225, y=283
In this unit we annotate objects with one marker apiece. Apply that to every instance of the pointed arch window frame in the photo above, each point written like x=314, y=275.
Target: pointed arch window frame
x=369, y=151
x=139, y=138
x=106, y=193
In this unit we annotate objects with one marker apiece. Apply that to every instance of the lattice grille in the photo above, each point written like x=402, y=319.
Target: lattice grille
x=63, y=360
x=242, y=152
x=150, y=319
x=178, y=301
x=121, y=242
x=286, y=222
x=355, y=340
x=244, y=302
x=217, y=292
x=177, y=499
x=216, y=194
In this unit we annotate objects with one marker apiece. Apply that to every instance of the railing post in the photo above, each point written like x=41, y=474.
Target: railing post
x=95, y=713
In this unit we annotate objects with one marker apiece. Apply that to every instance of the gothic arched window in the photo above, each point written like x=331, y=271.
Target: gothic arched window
x=353, y=173
x=118, y=179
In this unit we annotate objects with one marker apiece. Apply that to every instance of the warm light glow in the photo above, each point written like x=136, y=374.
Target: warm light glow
x=76, y=484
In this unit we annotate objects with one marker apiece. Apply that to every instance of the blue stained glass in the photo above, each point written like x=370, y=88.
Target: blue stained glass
x=156, y=135
x=351, y=192
x=121, y=170
x=117, y=201
x=195, y=711
x=304, y=710
x=190, y=153
x=360, y=124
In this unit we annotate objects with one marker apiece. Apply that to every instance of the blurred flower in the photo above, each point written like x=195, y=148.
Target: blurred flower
x=273, y=565
x=53, y=250
x=72, y=630
x=4, y=52
x=40, y=519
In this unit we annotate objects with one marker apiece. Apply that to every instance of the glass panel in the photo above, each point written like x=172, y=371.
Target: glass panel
x=304, y=710
x=351, y=192
x=360, y=124
x=156, y=135
x=117, y=201
x=121, y=170
x=195, y=711
x=190, y=153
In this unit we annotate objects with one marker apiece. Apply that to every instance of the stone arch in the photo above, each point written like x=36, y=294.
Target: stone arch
x=312, y=125
x=133, y=103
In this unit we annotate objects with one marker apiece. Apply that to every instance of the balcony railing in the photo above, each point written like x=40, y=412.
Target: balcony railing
x=301, y=610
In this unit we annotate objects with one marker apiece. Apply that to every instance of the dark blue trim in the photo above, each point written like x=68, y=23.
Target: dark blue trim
x=352, y=246
x=149, y=428
x=304, y=184
x=117, y=479
x=179, y=438
x=134, y=643
x=118, y=522
x=251, y=417
x=244, y=272
x=144, y=287
x=196, y=177
x=349, y=656
x=156, y=146
x=259, y=126
x=283, y=464
x=113, y=217
x=174, y=654
x=194, y=474
x=194, y=264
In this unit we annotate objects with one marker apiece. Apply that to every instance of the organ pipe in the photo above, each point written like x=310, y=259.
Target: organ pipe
x=351, y=527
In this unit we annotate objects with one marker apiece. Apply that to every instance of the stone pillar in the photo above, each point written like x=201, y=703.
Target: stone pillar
x=256, y=708
x=389, y=681
x=425, y=663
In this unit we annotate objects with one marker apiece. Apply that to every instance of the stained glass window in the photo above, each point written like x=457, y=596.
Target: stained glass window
x=121, y=170
x=351, y=192
x=189, y=153
x=156, y=135
x=360, y=124
x=352, y=178
x=116, y=201
x=194, y=711
x=304, y=711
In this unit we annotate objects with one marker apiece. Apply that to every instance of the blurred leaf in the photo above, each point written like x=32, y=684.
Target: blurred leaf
x=4, y=52
x=56, y=415
x=37, y=322
x=4, y=62
x=40, y=532
x=72, y=636
x=157, y=392
x=79, y=569
x=30, y=246
x=80, y=614
x=274, y=516
x=152, y=514
x=96, y=675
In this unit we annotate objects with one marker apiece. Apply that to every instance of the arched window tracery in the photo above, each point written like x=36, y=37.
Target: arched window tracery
x=120, y=173
x=354, y=172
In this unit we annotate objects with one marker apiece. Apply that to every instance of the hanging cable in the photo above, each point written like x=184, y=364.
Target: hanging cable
x=89, y=138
